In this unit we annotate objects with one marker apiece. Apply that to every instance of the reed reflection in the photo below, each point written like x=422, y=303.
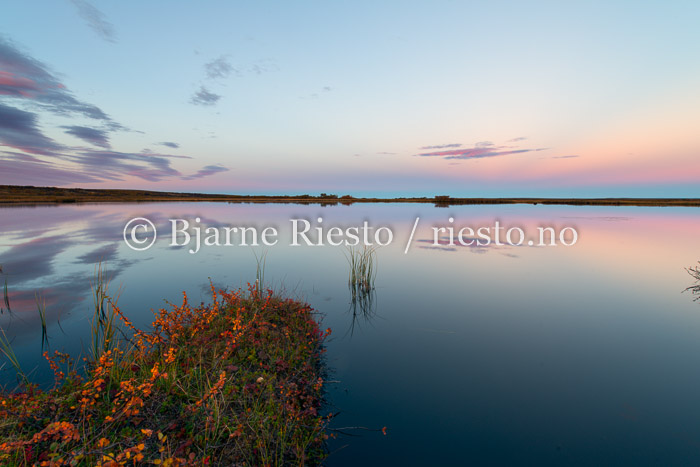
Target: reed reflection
x=363, y=272
x=695, y=288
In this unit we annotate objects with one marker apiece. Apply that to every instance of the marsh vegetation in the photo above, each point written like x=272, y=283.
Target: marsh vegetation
x=695, y=288
x=233, y=382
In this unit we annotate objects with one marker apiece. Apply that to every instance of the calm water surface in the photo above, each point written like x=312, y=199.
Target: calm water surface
x=498, y=355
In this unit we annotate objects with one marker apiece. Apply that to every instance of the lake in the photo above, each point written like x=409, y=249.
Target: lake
x=587, y=354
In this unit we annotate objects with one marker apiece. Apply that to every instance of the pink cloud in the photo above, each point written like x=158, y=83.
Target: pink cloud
x=13, y=85
x=480, y=151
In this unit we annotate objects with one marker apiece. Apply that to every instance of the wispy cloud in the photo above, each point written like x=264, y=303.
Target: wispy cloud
x=39, y=159
x=91, y=135
x=442, y=146
x=17, y=86
x=222, y=67
x=18, y=170
x=204, y=97
x=26, y=78
x=219, y=68
x=95, y=19
x=19, y=129
x=206, y=171
x=114, y=165
x=481, y=150
x=169, y=144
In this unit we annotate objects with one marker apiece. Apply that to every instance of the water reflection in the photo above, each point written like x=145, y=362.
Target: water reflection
x=362, y=308
x=486, y=355
x=5, y=305
x=694, y=289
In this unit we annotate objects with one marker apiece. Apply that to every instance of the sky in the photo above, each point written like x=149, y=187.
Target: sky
x=368, y=98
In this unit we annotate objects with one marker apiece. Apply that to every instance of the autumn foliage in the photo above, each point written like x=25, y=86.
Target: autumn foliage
x=234, y=382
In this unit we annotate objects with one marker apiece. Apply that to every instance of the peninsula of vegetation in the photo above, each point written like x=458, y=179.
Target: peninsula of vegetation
x=237, y=382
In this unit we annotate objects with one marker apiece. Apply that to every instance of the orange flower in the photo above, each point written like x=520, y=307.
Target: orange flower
x=170, y=355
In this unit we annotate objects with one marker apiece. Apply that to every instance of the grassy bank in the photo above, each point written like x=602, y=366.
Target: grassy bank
x=30, y=195
x=236, y=382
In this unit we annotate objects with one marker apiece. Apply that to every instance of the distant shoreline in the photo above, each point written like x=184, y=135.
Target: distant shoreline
x=30, y=195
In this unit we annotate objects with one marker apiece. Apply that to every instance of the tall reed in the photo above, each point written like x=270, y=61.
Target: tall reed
x=105, y=318
x=363, y=269
x=695, y=272
x=5, y=343
x=41, y=307
x=8, y=351
x=260, y=273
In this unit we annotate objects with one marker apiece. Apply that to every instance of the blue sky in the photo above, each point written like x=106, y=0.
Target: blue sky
x=390, y=98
